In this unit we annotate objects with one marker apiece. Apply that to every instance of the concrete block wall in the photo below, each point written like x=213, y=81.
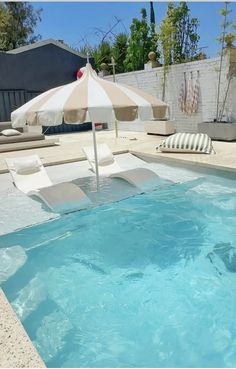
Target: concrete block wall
x=208, y=71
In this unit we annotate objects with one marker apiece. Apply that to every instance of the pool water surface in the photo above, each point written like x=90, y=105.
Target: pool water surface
x=148, y=281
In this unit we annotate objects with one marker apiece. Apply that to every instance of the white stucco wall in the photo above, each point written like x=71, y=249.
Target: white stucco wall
x=152, y=81
x=231, y=101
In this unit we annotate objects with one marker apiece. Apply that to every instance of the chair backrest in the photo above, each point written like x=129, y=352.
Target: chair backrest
x=105, y=156
x=33, y=179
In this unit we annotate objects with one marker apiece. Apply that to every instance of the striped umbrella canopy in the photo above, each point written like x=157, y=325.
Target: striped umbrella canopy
x=89, y=99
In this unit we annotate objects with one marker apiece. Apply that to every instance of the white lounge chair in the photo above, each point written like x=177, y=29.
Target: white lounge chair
x=106, y=161
x=30, y=176
x=63, y=197
x=28, y=173
x=141, y=178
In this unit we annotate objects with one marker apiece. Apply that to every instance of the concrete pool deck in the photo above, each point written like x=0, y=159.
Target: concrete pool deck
x=139, y=143
x=16, y=348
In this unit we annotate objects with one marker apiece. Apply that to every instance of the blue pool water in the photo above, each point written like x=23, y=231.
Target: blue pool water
x=145, y=282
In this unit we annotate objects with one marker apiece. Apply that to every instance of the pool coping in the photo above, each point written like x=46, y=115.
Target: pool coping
x=16, y=348
x=187, y=162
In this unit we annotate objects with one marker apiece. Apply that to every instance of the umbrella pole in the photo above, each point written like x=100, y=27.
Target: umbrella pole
x=95, y=155
x=116, y=128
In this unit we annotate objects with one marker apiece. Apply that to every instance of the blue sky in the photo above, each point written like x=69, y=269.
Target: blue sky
x=75, y=22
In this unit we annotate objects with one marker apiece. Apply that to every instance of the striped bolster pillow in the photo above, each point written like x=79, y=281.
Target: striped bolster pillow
x=187, y=142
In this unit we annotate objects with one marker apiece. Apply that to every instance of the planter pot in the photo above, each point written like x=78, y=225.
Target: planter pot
x=218, y=130
x=159, y=127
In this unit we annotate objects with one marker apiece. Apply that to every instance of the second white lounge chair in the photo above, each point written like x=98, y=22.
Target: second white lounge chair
x=30, y=176
x=106, y=161
x=142, y=178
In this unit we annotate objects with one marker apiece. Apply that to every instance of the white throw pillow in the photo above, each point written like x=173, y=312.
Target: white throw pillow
x=10, y=132
x=26, y=166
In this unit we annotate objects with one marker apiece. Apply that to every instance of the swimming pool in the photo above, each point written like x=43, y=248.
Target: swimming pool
x=148, y=281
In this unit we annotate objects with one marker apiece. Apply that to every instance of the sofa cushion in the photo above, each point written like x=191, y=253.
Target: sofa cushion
x=24, y=137
x=187, y=142
x=7, y=125
x=10, y=132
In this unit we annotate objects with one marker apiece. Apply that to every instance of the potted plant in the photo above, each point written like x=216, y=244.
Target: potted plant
x=229, y=39
x=221, y=128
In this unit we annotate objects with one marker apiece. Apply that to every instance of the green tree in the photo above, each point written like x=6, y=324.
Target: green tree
x=20, y=27
x=184, y=36
x=152, y=13
x=167, y=45
x=142, y=40
x=119, y=50
x=102, y=54
x=226, y=38
x=153, y=40
x=4, y=21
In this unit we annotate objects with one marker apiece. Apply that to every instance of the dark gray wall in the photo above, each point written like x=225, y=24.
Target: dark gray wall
x=38, y=69
x=26, y=74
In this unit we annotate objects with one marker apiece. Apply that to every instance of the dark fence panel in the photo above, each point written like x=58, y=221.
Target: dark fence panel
x=11, y=100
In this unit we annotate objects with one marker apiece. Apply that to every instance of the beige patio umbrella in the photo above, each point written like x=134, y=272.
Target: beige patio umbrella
x=89, y=99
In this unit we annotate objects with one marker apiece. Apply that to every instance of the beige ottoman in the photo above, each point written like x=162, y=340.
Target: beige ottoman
x=159, y=127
